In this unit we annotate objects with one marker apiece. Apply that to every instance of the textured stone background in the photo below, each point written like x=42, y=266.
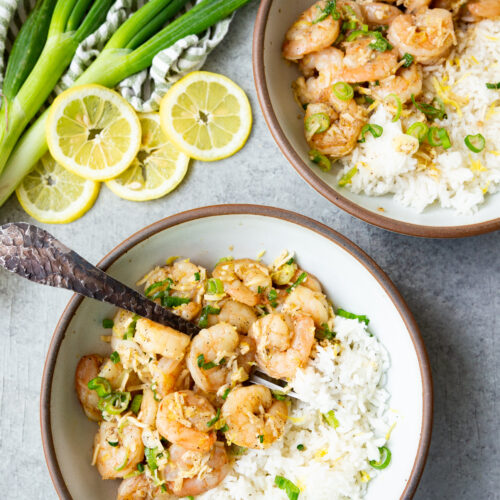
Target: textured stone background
x=452, y=287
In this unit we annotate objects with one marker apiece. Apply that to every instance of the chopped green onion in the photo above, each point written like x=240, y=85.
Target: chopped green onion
x=140, y=467
x=343, y=91
x=408, y=60
x=190, y=497
x=215, y=286
x=108, y=323
x=158, y=284
x=475, y=143
x=197, y=276
x=290, y=261
x=428, y=110
x=155, y=394
x=349, y=25
x=346, y=178
x=320, y=159
x=261, y=438
x=171, y=301
x=299, y=280
x=385, y=459
x=273, y=296
x=285, y=484
x=324, y=332
x=375, y=130
x=203, y=321
x=122, y=466
x=226, y=393
x=279, y=396
x=237, y=450
x=418, y=130
x=329, y=9
x=225, y=428
x=116, y=403
x=301, y=447
x=163, y=488
x=380, y=44
x=349, y=315
x=114, y=357
x=438, y=136
x=224, y=259
x=331, y=419
x=208, y=365
x=151, y=455
x=101, y=386
x=493, y=85
x=129, y=334
x=136, y=403
x=213, y=421
x=317, y=123
x=114, y=444
x=399, y=106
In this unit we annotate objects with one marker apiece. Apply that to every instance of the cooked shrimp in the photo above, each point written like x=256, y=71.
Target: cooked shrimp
x=310, y=281
x=191, y=473
x=427, y=35
x=379, y=14
x=254, y=418
x=484, y=9
x=120, y=460
x=308, y=34
x=158, y=339
x=242, y=279
x=283, y=343
x=237, y=314
x=228, y=354
x=412, y=6
x=306, y=301
x=136, y=488
x=182, y=419
x=346, y=121
x=87, y=369
x=404, y=83
x=149, y=408
x=168, y=375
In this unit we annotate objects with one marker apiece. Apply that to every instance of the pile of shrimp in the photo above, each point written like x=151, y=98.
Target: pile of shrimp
x=175, y=412
x=374, y=49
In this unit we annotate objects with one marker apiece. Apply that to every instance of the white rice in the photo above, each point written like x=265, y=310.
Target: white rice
x=456, y=178
x=334, y=464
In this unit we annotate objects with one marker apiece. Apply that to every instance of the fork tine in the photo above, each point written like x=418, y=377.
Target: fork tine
x=261, y=378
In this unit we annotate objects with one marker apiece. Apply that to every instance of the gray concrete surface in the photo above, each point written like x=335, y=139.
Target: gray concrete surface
x=452, y=287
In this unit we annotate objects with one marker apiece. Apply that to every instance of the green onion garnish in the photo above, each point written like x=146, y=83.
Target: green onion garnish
x=261, y=438
x=331, y=419
x=343, y=91
x=226, y=393
x=129, y=334
x=408, y=60
x=215, y=286
x=115, y=403
x=399, y=106
x=380, y=44
x=212, y=422
x=428, y=110
x=324, y=332
x=210, y=364
x=151, y=454
x=225, y=428
x=114, y=357
x=475, y=143
x=155, y=394
x=320, y=159
x=114, y=444
x=108, y=323
x=151, y=288
x=317, y=123
x=438, y=136
x=418, y=130
x=136, y=403
x=301, y=447
x=197, y=276
x=171, y=301
x=346, y=178
x=280, y=396
x=329, y=9
x=290, y=261
x=375, y=130
x=125, y=462
x=349, y=315
x=273, y=296
x=385, y=458
x=101, y=386
x=299, y=280
x=285, y=484
x=140, y=467
x=203, y=321
x=493, y=85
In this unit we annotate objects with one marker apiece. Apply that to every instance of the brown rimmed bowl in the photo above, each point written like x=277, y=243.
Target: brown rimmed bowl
x=273, y=78
x=351, y=279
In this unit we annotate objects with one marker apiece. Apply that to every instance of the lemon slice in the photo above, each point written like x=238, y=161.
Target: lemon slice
x=158, y=168
x=93, y=132
x=52, y=194
x=206, y=115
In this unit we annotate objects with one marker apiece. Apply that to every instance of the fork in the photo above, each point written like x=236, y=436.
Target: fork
x=34, y=254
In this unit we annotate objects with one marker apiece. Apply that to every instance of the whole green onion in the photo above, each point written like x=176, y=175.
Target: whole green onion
x=418, y=130
x=343, y=91
x=399, y=106
x=475, y=143
x=385, y=459
x=346, y=178
x=130, y=50
x=317, y=123
x=101, y=386
x=320, y=159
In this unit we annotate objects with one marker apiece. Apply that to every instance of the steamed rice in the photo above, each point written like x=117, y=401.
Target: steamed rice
x=455, y=178
x=347, y=376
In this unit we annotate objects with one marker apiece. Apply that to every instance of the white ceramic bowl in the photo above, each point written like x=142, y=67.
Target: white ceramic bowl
x=350, y=278
x=273, y=78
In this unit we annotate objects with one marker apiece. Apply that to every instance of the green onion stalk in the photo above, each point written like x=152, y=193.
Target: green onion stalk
x=32, y=73
x=130, y=50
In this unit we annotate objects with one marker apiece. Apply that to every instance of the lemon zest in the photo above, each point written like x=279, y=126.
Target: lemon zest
x=365, y=477
x=172, y=259
x=496, y=153
x=486, y=187
x=389, y=432
x=445, y=94
x=373, y=105
x=297, y=420
x=474, y=60
x=492, y=38
x=491, y=110
x=318, y=454
x=300, y=485
x=476, y=165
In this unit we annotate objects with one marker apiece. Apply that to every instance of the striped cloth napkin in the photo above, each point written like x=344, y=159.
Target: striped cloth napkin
x=143, y=90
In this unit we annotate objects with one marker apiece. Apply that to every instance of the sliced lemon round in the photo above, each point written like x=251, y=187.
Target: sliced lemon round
x=93, y=131
x=206, y=115
x=158, y=168
x=54, y=195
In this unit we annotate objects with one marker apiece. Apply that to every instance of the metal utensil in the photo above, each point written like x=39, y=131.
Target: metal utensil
x=34, y=254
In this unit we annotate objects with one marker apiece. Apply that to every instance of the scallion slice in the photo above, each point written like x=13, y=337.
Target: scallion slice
x=172, y=301
x=151, y=455
x=399, y=106
x=116, y=403
x=331, y=419
x=301, y=447
x=329, y=9
x=203, y=321
x=285, y=484
x=101, y=386
x=349, y=315
x=374, y=129
x=136, y=403
x=320, y=159
x=151, y=288
x=299, y=280
x=346, y=178
x=226, y=393
x=114, y=357
x=385, y=458
x=438, y=136
x=475, y=143
x=273, y=298
x=408, y=60
x=213, y=421
x=430, y=111
x=343, y=91
x=317, y=123
x=418, y=130
x=279, y=396
x=215, y=286
x=108, y=323
x=197, y=276
x=493, y=85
